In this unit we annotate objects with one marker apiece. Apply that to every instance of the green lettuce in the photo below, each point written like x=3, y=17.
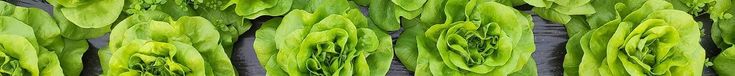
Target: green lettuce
x=20, y=50
x=634, y=38
x=228, y=23
x=721, y=13
x=152, y=43
x=478, y=39
x=51, y=47
x=334, y=40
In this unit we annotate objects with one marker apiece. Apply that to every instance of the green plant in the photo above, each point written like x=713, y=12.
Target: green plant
x=20, y=49
x=20, y=52
x=229, y=25
x=52, y=49
x=721, y=13
x=633, y=38
x=335, y=39
x=331, y=45
x=494, y=40
x=152, y=43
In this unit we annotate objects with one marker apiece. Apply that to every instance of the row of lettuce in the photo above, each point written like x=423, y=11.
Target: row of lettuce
x=336, y=38
x=607, y=37
x=147, y=37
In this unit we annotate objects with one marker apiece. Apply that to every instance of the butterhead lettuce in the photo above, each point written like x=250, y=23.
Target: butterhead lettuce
x=54, y=52
x=478, y=38
x=221, y=14
x=153, y=43
x=634, y=38
x=20, y=51
x=334, y=40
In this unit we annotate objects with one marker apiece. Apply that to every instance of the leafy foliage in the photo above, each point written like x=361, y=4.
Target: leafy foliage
x=478, y=38
x=334, y=40
x=31, y=45
x=229, y=25
x=152, y=43
x=54, y=51
x=637, y=37
x=721, y=13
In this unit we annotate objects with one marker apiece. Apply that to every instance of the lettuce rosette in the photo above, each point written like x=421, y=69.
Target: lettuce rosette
x=722, y=29
x=328, y=42
x=152, y=43
x=643, y=38
x=51, y=47
x=478, y=39
x=21, y=54
x=218, y=12
x=20, y=51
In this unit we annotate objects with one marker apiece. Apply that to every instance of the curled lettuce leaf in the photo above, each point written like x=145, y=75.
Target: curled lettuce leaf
x=723, y=62
x=494, y=40
x=252, y=9
x=329, y=42
x=85, y=19
x=387, y=13
x=89, y=13
x=721, y=13
x=652, y=38
x=72, y=31
x=152, y=43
